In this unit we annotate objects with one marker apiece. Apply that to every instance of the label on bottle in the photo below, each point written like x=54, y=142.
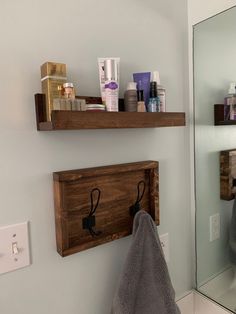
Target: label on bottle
x=153, y=104
x=111, y=85
x=162, y=99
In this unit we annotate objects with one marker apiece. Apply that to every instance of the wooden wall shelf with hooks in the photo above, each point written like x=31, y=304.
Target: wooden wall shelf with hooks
x=118, y=187
x=227, y=174
x=75, y=120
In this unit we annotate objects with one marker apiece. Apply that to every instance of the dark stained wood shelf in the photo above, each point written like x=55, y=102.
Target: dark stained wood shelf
x=219, y=115
x=75, y=120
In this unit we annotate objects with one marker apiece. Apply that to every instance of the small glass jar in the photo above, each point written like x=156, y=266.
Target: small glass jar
x=69, y=91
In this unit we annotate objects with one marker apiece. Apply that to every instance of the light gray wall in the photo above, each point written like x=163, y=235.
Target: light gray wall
x=147, y=35
x=214, y=69
x=199, y=10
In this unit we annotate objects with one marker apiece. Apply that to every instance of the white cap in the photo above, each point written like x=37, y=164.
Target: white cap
x=156, y=77
x=131, y=86
x=232, y=88
x=65, y=85
x=110, y=70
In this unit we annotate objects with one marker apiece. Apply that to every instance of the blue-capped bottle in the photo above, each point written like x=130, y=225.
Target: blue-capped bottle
x=153, y=104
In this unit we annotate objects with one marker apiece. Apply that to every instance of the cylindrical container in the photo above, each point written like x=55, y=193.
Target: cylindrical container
x=111, y=85
x=130, y=97
x=141, y=104
x=161, y=93
x=153, y=100
x=69, y=95
x=69, y=91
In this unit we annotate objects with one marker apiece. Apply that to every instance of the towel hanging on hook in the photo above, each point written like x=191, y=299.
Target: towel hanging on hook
x=90, y=221
x=136, y=207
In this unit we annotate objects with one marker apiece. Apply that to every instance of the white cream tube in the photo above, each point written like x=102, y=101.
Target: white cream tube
x=102, y=75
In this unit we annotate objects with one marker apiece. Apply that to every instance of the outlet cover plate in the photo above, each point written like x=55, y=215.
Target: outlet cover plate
x=214, y=227
x=164, y=239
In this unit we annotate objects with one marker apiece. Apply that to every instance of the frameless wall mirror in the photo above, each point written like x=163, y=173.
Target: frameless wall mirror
x=214, y=70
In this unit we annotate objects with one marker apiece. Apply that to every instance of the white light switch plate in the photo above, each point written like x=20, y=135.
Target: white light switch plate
x=14, y=247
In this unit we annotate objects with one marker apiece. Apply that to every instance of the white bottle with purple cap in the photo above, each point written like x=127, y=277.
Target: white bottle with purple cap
x=111, y=85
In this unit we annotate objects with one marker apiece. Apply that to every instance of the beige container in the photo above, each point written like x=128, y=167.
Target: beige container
x=53, y=76
x=53, y=69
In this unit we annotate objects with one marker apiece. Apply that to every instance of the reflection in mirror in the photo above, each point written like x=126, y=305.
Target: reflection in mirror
x=214, y=70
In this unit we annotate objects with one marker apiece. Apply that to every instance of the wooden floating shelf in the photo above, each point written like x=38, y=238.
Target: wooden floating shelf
x=75, y=120
x=219, y=115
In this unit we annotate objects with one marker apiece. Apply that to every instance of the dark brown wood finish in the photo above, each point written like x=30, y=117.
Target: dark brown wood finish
x=227, y=173
x=118, y=185
x=74, y=120
x=219, y=116
x=40, y=109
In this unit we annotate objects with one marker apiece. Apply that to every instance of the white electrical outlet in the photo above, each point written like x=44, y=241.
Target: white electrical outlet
x=164, y=239
x=14, y=247
x=214, y=227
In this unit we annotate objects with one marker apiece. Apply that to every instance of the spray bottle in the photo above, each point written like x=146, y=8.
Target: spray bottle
x=161, y=91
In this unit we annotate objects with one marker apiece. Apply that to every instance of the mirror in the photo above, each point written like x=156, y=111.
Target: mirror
x=214, y=69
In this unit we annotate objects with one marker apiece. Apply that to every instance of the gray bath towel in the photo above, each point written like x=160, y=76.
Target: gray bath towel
x=232, y=235
x=145, y=286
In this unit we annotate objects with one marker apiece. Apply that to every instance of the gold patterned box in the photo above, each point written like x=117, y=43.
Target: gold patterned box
x=53, y=76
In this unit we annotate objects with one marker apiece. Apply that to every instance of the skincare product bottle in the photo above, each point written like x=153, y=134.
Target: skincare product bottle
x=53, y=76
x=143, y=83
x=230, y=100
x=141, y=103
x=111, y=85
x=69, y=95
x=130, y=97
x=102, y=75
x=67, y=100
x=153, y=100
x=161, y=91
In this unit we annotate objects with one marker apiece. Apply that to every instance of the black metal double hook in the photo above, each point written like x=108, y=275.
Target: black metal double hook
x=136, y=206
x=90, y=221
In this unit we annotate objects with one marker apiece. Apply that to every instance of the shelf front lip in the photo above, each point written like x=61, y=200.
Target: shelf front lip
x=228, y=122
x=77, y=174
x=75, y=120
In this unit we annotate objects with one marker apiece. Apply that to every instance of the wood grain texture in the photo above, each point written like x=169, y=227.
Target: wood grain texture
x=75, y=120
x=118, y=186
x=227, y=173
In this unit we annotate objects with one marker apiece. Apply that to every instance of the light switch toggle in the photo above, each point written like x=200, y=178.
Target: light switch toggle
x=15, y=249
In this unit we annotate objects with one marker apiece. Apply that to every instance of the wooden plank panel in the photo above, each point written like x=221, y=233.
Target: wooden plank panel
x=227, y=173
x=73, y=120
x=118, y=186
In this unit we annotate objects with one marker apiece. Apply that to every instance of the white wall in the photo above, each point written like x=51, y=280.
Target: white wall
x=199, y=10
x=147, y=36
